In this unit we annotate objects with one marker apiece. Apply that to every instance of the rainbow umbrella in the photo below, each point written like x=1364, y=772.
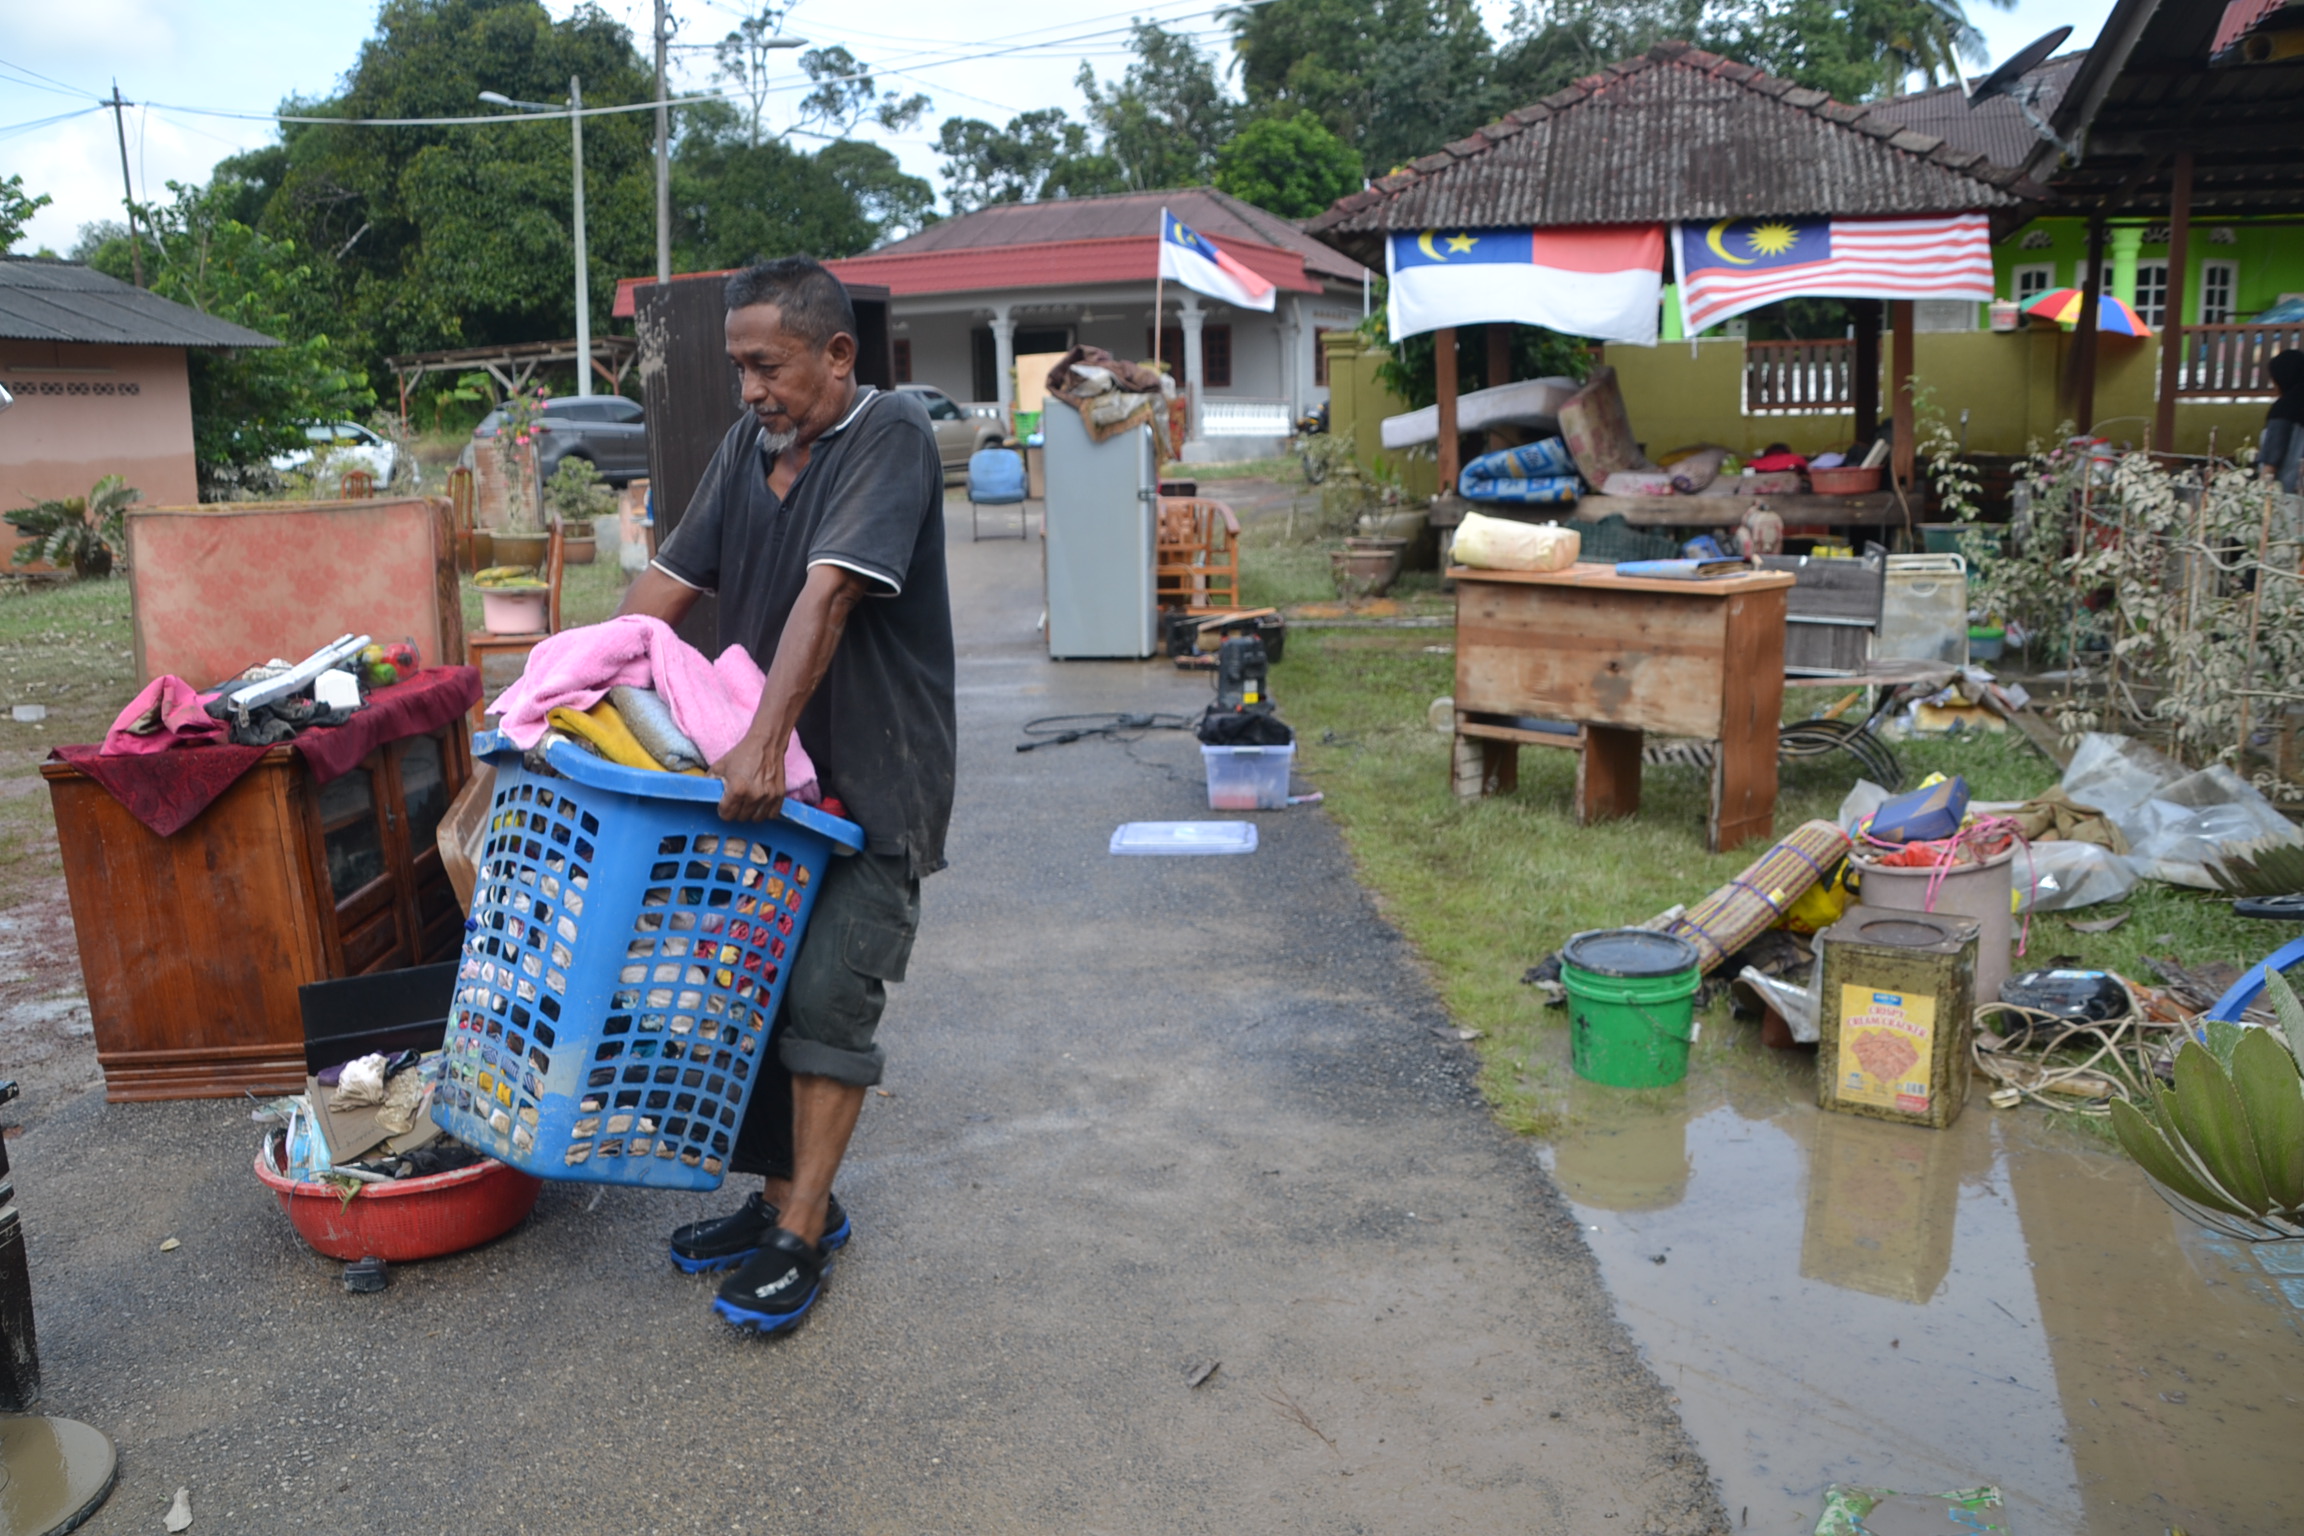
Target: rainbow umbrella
x=2113, y=316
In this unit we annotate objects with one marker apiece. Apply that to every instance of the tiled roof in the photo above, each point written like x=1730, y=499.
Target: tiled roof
x=1994, y=129
x=1674, y=134
x=1124, y=215
x=1053, y=264
x=62, y=301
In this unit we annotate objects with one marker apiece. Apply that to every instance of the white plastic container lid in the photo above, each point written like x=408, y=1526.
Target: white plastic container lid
x=1184, y=837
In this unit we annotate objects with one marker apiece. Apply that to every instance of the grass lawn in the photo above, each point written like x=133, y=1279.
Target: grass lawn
x=1484, y=889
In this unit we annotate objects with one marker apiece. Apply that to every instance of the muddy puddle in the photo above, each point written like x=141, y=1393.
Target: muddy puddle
x=1838, y=1299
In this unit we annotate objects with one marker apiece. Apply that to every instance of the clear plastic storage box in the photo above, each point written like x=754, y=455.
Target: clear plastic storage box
x=1248, y=778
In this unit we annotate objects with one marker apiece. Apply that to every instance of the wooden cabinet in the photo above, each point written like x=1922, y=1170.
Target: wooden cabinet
x=193, y=946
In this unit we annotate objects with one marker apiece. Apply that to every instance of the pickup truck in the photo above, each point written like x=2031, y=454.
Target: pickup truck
x=960, y=429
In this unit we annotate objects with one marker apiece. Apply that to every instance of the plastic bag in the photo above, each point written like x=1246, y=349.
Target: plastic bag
x=1500, y=544
x=463, y=833
x=1533, y=474
x=2067, y=875
x=1860, y=803
x=2175, y=822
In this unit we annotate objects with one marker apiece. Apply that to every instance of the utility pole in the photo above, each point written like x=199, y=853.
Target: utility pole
x=583, y=260
x=127, y=187
x=663, y=149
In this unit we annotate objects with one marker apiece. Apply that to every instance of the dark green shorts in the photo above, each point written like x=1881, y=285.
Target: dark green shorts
x=859, y=939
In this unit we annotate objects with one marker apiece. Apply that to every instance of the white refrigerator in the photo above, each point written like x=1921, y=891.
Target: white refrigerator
x=1102, y=519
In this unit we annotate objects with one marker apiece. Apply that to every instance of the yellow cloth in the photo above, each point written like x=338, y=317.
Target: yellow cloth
x=605, y=730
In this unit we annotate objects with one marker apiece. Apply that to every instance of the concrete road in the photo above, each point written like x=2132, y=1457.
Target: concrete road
x=1142, y=1115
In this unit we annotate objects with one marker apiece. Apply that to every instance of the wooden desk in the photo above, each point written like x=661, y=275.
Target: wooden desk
x=1620, y=656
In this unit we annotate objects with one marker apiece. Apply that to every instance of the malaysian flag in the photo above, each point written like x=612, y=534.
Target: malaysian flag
x=1733, y=265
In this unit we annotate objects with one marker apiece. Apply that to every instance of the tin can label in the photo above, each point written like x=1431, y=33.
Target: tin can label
x=1887, y=1048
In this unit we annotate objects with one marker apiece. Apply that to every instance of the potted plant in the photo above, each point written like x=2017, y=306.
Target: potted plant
x=88, y=534
x=576, y=494
x=2225, y=1146
x=522, y=540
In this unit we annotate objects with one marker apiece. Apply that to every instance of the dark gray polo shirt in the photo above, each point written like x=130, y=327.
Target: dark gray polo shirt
x=880, y=727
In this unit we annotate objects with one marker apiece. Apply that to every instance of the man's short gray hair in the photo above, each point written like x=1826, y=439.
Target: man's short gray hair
x=810, y=302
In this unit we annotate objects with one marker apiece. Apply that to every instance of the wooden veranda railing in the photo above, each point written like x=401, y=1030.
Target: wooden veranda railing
x=1799, y=378
x=2226, y=362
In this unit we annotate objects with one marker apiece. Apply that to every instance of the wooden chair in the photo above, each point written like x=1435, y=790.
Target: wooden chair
x=357, y=485
x=481, y=644
x=1196, y=565
x=464, y=516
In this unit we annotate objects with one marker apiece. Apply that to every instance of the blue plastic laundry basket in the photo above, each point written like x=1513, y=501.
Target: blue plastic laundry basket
x=625, y=956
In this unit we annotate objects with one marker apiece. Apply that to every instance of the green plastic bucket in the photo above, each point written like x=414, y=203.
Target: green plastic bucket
x=1631, y=1005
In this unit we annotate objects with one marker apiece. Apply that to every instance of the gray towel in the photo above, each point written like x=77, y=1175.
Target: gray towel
x=649, y=719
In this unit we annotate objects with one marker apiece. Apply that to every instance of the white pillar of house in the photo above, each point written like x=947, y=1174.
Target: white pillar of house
x=1190, y=314
x=1293, y=374
x=1003, y=356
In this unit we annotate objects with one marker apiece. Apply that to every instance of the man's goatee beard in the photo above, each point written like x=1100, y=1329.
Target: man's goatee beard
x=779, y=442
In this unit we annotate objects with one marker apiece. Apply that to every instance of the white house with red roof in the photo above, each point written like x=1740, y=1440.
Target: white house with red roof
x=971, y=294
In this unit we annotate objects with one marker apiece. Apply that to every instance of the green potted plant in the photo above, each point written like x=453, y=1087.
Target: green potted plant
x=87, y=534
x=522, y=539
x=2225, y=1146
x=576, y=494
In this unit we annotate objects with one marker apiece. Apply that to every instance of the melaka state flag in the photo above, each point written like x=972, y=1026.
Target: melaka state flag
x=1605, y=281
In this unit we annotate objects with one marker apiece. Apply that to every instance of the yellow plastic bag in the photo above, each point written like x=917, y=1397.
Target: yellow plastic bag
x=1819, y=906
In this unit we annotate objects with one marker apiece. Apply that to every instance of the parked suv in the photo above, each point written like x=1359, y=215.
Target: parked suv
x=960, y=429
x=608, y=431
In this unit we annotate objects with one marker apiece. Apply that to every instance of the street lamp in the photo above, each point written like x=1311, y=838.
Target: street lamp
x=575, y=111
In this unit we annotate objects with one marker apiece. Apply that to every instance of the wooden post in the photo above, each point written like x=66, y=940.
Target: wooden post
x=1900, y=385
x=2172, y=328
x=2084, y=339
x=1864, y=383
x=1499, y=372
x=1444, y=371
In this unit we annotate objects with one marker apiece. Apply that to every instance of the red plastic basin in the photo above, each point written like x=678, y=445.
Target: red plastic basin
x=424, y=1218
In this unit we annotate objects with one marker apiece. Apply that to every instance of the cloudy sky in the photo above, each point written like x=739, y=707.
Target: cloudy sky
x=987, y=58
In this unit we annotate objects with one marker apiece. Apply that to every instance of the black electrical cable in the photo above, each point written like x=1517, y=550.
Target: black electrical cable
x=1055, y=730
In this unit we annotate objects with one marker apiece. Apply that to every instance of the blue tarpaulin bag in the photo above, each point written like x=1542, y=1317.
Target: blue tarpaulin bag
x=1533, y=474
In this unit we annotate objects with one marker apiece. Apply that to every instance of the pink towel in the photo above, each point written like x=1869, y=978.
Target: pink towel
x=166, y=715
x=713, y=702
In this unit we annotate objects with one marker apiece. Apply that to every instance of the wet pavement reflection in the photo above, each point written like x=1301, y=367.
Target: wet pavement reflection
x=1836, y=1299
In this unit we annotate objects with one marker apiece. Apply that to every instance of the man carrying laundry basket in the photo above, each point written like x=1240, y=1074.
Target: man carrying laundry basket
x=820, y=525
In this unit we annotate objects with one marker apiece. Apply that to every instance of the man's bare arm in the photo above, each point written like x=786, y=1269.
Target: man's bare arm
x=658, y=596
x=754, y=768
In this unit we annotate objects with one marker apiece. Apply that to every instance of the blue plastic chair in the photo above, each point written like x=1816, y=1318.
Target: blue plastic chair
x=996, y=479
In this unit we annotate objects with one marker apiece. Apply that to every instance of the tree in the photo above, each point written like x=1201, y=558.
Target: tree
x=434, y=237
x=1550, y=45
x=1289, y=164
x=246, y=405
x=844, y=94
x=895, y=204
x=1393, y=79
x=1038, y=155
x=16, y=209
x=1162, y=121
x=1859, y=50
x=735, y=201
